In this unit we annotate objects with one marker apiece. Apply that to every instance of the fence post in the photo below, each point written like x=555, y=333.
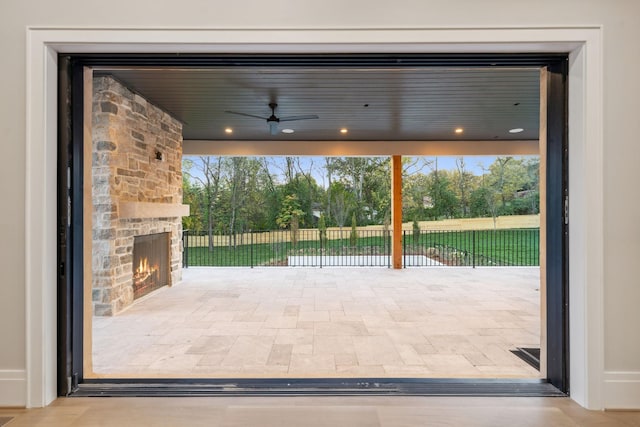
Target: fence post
x=185, y=248
x=251, y=248
x=388, y=249
x=473, y=247
x=404, y=248
x=320, y=251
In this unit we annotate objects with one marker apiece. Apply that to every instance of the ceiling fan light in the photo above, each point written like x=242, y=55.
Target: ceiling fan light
x=273, y=120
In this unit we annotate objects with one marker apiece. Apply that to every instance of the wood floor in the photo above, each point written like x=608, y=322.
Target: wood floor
x=317, y=411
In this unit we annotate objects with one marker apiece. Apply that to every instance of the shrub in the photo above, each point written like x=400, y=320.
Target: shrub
x=322, y=230
x=353, y=236
x=416, y=232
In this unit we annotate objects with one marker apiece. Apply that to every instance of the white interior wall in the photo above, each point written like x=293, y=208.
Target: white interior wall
x=28, y=229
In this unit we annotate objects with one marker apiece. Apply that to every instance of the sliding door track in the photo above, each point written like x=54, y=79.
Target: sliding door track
x=316, y=387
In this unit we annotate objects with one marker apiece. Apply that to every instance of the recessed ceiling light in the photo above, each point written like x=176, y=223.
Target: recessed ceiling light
x=228, y=130
x=459, y=130
x=344, y=130
x=287, y=131
x=516, y=130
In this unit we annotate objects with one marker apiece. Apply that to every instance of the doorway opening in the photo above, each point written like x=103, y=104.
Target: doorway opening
x=108, y=107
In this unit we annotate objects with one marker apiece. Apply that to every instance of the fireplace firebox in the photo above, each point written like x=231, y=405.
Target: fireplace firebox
x=150, y=263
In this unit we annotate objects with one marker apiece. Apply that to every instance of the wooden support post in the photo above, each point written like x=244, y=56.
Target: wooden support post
x=396, y=211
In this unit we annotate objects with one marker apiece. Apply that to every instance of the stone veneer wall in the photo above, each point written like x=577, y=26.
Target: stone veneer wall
x=127, y=134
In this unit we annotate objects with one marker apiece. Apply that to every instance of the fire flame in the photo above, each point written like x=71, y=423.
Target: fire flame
x=144, y=270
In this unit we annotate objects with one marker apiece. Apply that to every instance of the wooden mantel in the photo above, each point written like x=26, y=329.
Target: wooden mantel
x=127, y=210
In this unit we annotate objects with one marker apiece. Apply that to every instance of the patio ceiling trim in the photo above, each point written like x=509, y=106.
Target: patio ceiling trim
x=359, y=148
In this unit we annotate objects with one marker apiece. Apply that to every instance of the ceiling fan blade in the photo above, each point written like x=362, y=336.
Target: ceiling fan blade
x=246, y=115
x=292, y=118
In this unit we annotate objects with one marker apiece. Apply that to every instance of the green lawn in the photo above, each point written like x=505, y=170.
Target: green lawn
x=485, y=247
x=276, y=253
x=518, y=247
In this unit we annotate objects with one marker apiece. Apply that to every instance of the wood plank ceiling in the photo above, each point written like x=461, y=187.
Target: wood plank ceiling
x=382, y=103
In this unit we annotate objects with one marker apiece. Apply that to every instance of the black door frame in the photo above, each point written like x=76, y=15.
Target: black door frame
x=557, y=246
x=70, y=225
x=70, y=231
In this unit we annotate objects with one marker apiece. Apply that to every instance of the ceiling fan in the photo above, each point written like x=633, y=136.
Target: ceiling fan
x=273, y=120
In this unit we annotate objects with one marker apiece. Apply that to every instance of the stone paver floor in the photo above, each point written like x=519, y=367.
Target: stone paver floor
x=331, y=322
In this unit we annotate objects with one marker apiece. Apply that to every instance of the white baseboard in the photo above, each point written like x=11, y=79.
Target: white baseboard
x=622, y=390
x=13, y=388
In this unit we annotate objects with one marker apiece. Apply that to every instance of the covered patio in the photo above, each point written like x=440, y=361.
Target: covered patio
x=333, y=322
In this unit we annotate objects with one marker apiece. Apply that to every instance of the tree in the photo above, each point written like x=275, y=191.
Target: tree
x=368, y=180
x=498, y=169
x=416, y=198
x=259, y=196
x=532, y=166
x=236, y=185
x=464, y=182
x=386, y=224
x=486, y=197
x=445, y=202
x=231, y=195
x=273, y=195
x=507, y=176
x=192, y=196
x=289, y=216
x=304, y=186
x=328, y=167
x=208, y=175
x=351, y=171
x=478, y=203
x=342, y=204
x=376, y=192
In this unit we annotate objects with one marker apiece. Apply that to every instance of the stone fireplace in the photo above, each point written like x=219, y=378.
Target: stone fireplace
x=136, y=192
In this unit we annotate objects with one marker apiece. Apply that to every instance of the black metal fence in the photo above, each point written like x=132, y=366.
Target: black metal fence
x=504, y=247
x=365, y=247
